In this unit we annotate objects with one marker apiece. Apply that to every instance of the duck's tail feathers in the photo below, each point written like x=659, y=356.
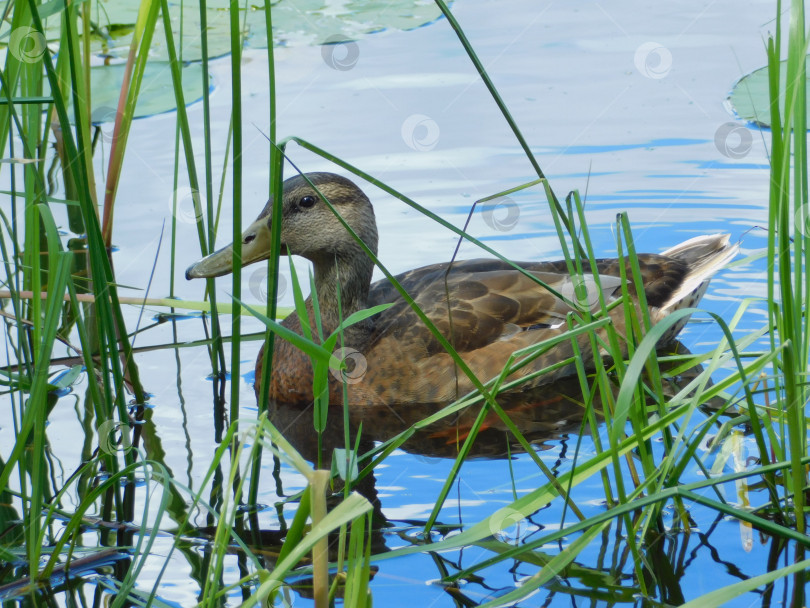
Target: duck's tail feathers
x=703, y=255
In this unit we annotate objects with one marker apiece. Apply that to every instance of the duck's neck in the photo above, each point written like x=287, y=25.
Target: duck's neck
x=350, y=272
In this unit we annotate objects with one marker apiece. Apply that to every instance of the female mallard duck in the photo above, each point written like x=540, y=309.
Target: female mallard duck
x=485, y=308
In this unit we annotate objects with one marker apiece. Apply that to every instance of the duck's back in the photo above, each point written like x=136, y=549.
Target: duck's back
x=477, y=302
x=486, y=309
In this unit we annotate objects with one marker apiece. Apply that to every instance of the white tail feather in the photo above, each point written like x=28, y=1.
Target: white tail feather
x=704, y=255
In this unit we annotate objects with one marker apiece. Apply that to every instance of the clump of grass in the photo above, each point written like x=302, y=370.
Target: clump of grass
x=640, y=483
x=36, y=264
x=629, y=468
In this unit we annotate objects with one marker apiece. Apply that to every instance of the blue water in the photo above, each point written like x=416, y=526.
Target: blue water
x=627, y=137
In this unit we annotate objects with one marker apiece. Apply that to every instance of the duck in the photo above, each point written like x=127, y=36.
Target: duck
x=486, y=308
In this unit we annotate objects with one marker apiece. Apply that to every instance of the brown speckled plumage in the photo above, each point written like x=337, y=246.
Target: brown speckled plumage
x=485, y=308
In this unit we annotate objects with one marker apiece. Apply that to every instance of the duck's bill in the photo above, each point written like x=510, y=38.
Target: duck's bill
x=255, y=248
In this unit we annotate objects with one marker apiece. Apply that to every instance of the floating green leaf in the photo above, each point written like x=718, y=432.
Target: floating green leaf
x=295, y=23
x=156, y=96
x=749, y=97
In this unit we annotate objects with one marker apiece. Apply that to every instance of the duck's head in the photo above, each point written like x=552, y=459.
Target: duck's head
x=308, y=227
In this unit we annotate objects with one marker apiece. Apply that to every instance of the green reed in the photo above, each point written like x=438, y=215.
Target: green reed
x=37, y=262
x=638, y=485
x=788, y=287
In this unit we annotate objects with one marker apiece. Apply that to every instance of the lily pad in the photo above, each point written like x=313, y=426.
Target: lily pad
x=295, y=22
x=156, y=95
x=750, y=99
x=313, y=22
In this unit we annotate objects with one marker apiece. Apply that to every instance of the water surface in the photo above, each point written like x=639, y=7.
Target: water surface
x=620, y=101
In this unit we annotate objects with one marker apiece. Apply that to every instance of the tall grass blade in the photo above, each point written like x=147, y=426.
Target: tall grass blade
x=133, y=76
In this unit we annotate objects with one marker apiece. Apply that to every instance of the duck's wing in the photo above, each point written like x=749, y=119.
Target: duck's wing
x=475, y=305
x=480, y=302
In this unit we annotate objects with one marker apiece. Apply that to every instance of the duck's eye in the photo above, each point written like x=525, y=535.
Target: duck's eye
x=307, y=201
